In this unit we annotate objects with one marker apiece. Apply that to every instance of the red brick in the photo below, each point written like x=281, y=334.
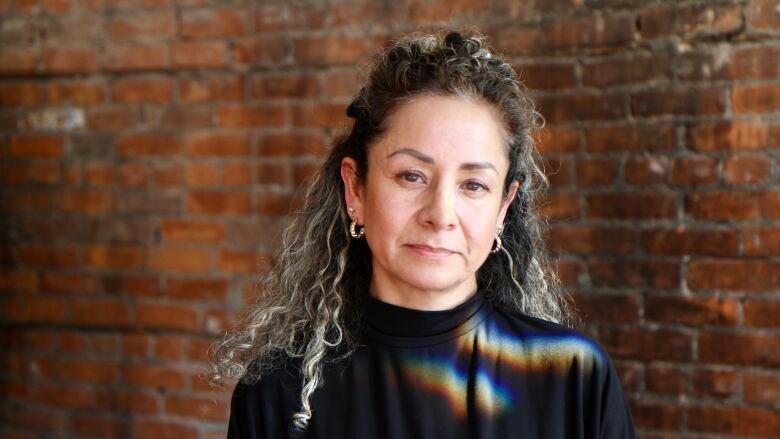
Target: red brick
x=761, y=98
x=203, y=174
x=617, y=71
x=270, y=17
x=142, y=90
x=127, y=401
x=341, y=84
x=142, y=285
x=98, y=256
x=113, y=118
x=69, y=283
x=285, y=86
x=211, y=89
x=303, y=173
x=691, y=310
x=86, y=201
x=733, y=274
x=199, y=288
x=238, y=174
x=682, y=241
x=746, y=169
x=192, y=231
x=547, y=76
x=199, y=54
x=763, y=313
x=146, y=375
x=252, y=116
x=171, y=347
x=148, y=144
x=734, y=205
x=758, y=350
x=715, y=383
x=630, y=137
x=738, y=421
x=734, y=135
x=517, y=39
x=632, y=205
x=560, y=206
x=150, y=429
x=18, y=281
x=41, y=309
x=21, y=61
x=760, y=241
x=646, y=170
x=100, y=426
x=558, y=140
x=559, y=171
x=319, y=116
x=45, y=256
x=20, y=94
x=33, y=146
x=592, y=30
x=666, y=380
x=64, y=397
x=596, y=172
x=761, y=388
x=29, y=201
x=145, y=25
x=290, y=144
x=694, y=170
x=199, y=408
x=240, y=262
x=273, y=174
x=98, y=174
x=591, y=240
x=679, y=101
x=763, y=14
x=219, y=203
x=217, y=143
x=89, y=371
x=273, y=203
x=139, y=57
x=75, y=92
x=647, y=345
x=70, y=60
x=213, y=22
x=603, y=308
x=629, y=273
x=582, y=107
x=330, y=49
x=710, y=20
x=439, y=11
x=263, y=50
x=179, y=259
x=99, y=313
x=166, y=316
x=753, y=62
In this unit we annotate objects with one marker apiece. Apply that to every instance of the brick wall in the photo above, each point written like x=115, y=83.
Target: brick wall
x=150, y=150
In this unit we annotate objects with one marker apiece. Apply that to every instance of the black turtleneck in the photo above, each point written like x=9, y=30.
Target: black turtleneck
x=473, y=371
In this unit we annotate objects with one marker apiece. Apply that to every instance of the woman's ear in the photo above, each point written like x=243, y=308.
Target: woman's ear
x=510, y=196
x=352, y=189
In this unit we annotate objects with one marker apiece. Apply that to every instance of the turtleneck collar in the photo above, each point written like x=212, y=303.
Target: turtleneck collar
x=407, y=326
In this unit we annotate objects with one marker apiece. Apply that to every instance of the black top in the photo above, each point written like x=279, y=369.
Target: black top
x=473, y=371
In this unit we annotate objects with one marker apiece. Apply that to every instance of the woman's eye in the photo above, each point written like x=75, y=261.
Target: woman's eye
x=474, y=186
x=411, y=177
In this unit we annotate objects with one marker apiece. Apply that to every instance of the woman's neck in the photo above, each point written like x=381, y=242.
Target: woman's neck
x=427, y=300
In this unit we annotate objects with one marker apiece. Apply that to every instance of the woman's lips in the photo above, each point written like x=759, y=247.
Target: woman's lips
x=431, y=252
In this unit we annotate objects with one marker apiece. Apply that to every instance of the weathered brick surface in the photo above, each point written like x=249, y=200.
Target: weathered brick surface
x=150, y=151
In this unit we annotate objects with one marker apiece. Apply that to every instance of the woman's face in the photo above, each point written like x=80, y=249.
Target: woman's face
x=432, y=198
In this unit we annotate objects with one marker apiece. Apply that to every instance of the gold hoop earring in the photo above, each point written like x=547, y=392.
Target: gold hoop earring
x=499, y=229
x=353, y=225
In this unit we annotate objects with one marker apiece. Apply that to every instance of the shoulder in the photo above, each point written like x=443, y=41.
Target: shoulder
x=544, y=339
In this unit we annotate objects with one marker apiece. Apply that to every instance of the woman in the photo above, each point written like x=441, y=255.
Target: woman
x=409, y=298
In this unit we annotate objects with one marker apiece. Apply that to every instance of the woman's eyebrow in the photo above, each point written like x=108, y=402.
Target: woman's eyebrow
x=428, y=159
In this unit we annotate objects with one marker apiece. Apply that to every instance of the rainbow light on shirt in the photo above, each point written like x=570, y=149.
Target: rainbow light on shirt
x=530, y=353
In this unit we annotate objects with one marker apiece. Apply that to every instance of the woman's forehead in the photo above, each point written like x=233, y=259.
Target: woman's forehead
x=445, y=127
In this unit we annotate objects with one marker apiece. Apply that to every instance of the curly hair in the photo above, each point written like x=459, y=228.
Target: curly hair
x=314, y=293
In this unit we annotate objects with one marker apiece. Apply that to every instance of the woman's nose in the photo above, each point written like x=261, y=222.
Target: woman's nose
x=439, y=208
